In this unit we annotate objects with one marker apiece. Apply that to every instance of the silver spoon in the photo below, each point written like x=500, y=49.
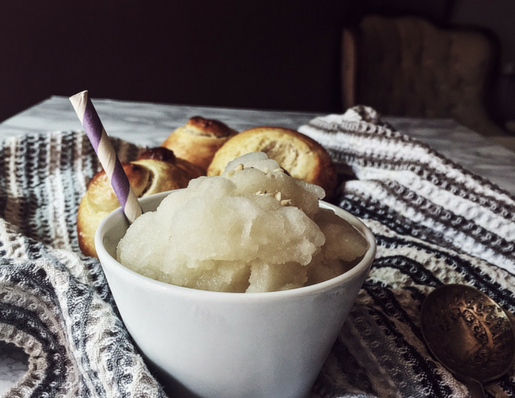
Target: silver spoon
x=469, y=334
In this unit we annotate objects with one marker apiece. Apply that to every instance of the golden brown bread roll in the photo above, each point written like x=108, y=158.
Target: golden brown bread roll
x=198, y=140
x=156, y=170
x=298, y=154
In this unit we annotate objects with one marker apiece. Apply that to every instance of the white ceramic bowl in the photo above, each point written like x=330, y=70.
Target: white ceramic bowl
x=224, y=345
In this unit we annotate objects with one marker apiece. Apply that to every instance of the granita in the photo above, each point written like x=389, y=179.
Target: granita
x=251, y=229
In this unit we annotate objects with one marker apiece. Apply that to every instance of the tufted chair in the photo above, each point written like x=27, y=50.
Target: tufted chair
x=406, y=66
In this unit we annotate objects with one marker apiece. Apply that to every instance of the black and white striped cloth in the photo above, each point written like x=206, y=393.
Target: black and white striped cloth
x=434, y=222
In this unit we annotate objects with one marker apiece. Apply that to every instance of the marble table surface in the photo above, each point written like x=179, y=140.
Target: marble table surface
x=149, y=124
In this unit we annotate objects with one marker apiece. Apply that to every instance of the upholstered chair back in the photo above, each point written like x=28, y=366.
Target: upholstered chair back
x=406, y=66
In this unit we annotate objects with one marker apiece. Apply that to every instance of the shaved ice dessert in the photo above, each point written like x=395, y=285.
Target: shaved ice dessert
x=251, y=229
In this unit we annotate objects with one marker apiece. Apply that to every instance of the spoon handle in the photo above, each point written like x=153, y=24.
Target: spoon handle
x=475, y=388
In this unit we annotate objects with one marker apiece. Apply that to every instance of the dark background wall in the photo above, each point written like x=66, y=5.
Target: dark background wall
x=268, y=54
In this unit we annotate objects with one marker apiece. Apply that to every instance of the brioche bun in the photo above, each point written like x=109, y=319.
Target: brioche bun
x=198, y=140
x=299, y=155
x=156, y=170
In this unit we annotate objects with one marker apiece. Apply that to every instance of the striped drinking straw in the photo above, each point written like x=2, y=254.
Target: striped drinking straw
x=97, y=135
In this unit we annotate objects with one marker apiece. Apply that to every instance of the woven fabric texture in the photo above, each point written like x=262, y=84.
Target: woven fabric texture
x=434, y=222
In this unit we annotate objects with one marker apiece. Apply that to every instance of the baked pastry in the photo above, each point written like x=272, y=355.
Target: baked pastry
x=198, y=140
x=298, y=154
x=156, y=170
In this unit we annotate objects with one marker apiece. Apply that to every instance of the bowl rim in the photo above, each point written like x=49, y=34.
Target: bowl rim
x=107, y=260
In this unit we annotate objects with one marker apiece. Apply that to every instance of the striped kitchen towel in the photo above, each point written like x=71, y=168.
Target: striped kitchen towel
x=435, y=223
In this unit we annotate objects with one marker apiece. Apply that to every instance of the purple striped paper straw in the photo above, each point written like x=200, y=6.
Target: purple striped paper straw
x=97, y=135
